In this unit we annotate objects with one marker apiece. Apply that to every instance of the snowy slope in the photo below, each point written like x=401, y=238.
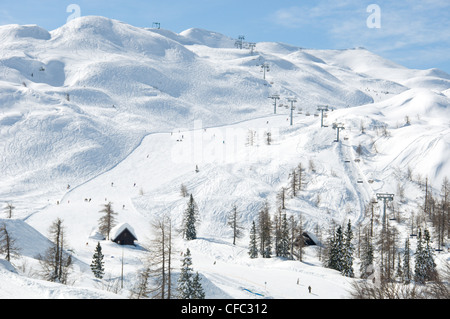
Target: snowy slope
x=97, y=102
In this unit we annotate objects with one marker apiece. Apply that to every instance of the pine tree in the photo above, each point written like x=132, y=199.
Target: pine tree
x=406, y=263
x=281, y=198
x=185, y=289
x=197, y=289
x=348, y=249
x=367, y=258
x=399, y=268
x=301, y=241
x=425, y=268
x=253, y=247
x=265, y=232
x=56, y=262
x=430, y=265
x=292, y=235
x=8, y=244
x=284, y=239
x=234, y=223
x=97, y=264
x=277, y=231
x=336, y=251
x=189, y=285
x=190, y=220
x=293, y=183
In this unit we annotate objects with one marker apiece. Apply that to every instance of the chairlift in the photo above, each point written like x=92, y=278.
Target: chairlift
x=360, y=181
x=316, y=115
x=413, y=235
x=370, y=181
x=357, y=160
x=308, y=114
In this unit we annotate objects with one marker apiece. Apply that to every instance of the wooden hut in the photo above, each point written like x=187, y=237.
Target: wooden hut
x=123, y=234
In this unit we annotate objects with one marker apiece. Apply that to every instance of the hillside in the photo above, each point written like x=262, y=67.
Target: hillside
x=125, y=114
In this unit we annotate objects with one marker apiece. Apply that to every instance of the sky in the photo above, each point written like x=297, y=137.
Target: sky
x=413, y=33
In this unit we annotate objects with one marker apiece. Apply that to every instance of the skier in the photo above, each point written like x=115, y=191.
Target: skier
x=309, y=289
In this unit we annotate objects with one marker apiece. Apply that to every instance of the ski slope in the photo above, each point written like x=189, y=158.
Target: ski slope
x=125, y=114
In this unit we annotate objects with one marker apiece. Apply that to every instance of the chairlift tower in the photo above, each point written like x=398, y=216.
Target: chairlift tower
x=252, y=47
x=322, y=109
x=338, y=127
x=385, y=197
x=274, y=97
x=265, y=67
x=292, y=101
x=239, y=43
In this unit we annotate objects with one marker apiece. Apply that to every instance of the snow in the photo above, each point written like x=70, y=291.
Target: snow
x=97, y=102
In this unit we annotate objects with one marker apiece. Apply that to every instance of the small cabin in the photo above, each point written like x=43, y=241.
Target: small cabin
x=123, y=234
x=308, y=239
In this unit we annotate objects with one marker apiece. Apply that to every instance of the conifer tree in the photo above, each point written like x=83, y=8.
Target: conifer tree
x=347, y=254
x=281, y=198
x=406, y=263
x=284, y=239
x=185, y=279
x=265, y=231
x=56, y=262
x=189, y=286
x=399, y=268
x=293, y=183
x=97, y=264
x=429, y=256
x=301, y=242
x=277, y=231
x=292, y=235
x=253, y=247
x=335, y=250
x=190, y=220
x=234, y=223
x=425, y=268
x=8, y=244
x=107, y=221
x=197, y=289
x=367, y=258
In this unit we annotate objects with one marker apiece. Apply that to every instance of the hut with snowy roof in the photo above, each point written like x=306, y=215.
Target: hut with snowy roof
x=123, y=234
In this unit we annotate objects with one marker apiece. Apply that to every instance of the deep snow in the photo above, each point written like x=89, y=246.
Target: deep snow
x=124, y=114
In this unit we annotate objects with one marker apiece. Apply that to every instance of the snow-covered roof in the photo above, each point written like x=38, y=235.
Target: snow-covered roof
x=117, y=230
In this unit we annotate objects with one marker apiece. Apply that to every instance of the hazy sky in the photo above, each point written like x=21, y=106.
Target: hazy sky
x=414, y=33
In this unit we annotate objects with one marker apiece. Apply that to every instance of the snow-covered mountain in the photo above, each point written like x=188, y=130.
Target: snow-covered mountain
x=125, y=114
